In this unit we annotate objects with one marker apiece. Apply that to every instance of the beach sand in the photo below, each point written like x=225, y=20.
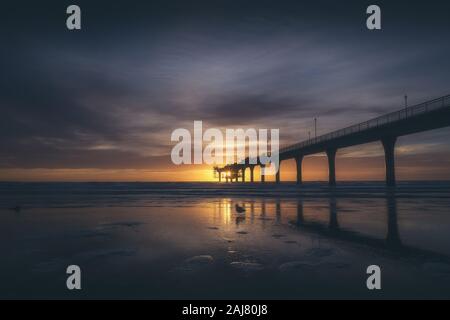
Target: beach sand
x=173, y=241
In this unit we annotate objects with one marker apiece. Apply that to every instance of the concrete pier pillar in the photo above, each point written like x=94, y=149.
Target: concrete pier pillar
x=331, y=154
x=243, y=174
x=263, y=177
x=389, y=158
x=251, y=173
x=298, y=161
x=277, y=175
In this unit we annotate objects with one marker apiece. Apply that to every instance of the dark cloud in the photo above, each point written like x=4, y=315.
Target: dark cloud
x=240, y=109
x=110, y=95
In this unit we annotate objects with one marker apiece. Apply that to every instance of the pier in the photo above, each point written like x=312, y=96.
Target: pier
x=386, y=129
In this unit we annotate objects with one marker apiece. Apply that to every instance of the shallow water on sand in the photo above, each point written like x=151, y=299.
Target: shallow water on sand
x=188, y=241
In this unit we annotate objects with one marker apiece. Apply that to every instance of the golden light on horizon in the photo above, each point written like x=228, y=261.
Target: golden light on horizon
x=314, y=169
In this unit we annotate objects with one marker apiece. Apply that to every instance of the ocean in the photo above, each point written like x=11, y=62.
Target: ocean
x=189, y=240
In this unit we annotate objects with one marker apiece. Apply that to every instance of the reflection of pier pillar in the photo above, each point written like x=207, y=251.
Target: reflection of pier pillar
x=243, y=174
x=263, y=177
x=331, y=154
x=333, y=224
x=393, y=236
x=298, y=161
x=300, y=218
x=389, y=158
x=278, y=210
x=251, y=173
x=263, y=212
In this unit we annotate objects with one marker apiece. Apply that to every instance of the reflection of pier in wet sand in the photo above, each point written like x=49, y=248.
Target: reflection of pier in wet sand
x=391, y=243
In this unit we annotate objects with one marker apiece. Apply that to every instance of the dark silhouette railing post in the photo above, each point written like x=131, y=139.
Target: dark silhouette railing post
x=243, y=174
x=252, y=168
x=331, y=154
x=298, y=161
x=220, y=176
x=389, y=157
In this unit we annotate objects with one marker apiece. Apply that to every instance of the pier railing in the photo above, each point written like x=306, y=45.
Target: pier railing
x=392, y=117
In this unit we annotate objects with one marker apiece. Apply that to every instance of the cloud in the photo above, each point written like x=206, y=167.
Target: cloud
x=110, y=95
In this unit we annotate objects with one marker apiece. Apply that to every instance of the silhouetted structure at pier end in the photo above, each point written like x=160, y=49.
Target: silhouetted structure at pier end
x=429, y=115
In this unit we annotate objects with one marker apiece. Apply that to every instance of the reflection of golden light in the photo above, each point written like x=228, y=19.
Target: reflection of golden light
x=226, y=206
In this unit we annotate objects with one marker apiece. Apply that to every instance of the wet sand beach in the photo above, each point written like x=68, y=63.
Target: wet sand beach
x=174, y=241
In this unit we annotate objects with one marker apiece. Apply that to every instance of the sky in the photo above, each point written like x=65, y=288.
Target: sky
x=100, y=103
